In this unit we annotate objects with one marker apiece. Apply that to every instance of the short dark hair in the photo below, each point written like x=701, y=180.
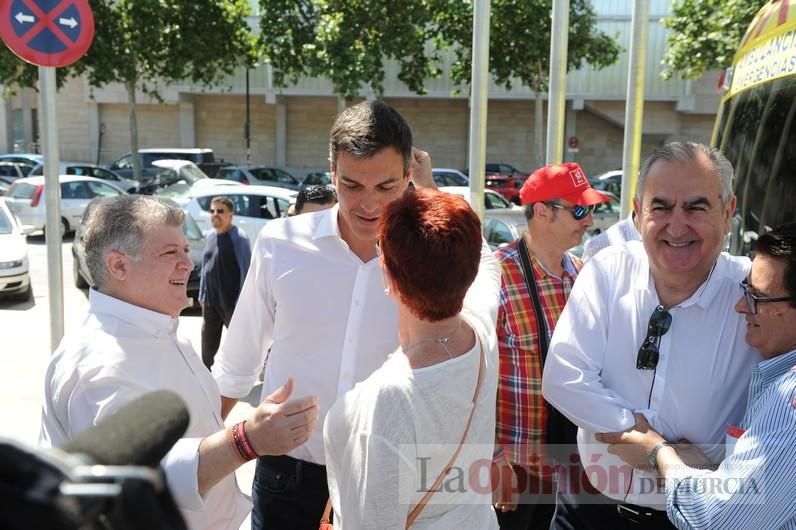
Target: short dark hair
x=315, y=194
x=223, y=200
x=367, y=128
x=780, y=244
x=431, y=248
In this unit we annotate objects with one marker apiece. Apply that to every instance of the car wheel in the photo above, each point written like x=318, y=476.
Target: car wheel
x=80, y=282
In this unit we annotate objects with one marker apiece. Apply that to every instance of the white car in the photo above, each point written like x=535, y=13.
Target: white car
x=90, y=170
x=180, y=179
x=444, y=176
x=503, y=221
x=14, y=272
x=26, y=199
x=253, y=206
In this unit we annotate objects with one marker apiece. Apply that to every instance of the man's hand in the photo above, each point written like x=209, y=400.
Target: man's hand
x=420, y=170
x=633, y=445
x=505, y=488
x=691, y=455
x=278, y=426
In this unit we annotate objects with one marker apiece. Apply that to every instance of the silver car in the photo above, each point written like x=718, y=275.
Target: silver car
x=26, y=199
x=89, y=170
x=14, y=269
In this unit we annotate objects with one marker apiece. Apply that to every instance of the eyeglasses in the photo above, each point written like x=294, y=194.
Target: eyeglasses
x=217, y=210
x=659, y=324
x=578, y=211
x=752, y=299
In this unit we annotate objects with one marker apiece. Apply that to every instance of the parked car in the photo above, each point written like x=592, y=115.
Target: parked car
x=444, y=176
x=253, y=206
x=508, y=187
x=317, y=178
x=605, y=214
x=610, y=181
x=179, y=179
x=26, y=199
x=82, y=277
x=14, y=268
x=26, y=160
x=10, y=171
x=203, y=158
x=259, y=175
x=503, y=221
x=91, y=170
x=4, y=185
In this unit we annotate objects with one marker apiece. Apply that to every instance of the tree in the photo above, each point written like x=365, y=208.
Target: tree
x=348, y=41
x=140, y=43
x=705, y=34
x=519, y=47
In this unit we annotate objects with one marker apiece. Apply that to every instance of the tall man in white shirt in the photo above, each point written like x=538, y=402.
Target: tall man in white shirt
x=314, y=302
x=128, y=345
x=649, y=328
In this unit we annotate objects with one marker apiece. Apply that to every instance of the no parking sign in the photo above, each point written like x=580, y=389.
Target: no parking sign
x=47, y=32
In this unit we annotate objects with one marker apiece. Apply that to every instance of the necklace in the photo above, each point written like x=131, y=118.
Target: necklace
x=443, y=341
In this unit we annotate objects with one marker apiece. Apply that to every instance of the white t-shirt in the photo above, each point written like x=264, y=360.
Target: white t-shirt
x=389, y=438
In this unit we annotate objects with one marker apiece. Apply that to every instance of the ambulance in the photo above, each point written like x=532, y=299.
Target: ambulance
x=756, y=124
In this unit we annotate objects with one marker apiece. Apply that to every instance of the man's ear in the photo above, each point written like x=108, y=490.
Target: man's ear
x=116, y=262
x=540, y=210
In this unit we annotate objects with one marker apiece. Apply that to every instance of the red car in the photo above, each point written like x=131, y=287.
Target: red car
x=508, y=187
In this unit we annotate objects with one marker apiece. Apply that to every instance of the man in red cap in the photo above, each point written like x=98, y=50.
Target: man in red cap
x=538, y=274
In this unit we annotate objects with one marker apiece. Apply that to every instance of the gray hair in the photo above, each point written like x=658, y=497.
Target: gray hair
x=684, y=152
x=121, y=224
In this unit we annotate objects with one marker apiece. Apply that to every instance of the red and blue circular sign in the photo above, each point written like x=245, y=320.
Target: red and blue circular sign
x=47, y=32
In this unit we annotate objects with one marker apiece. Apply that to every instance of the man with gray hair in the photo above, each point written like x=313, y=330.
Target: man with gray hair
x=649, y=328
x=128, y=345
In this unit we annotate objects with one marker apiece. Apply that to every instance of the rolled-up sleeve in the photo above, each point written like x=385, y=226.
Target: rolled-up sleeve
x=181, y=466
x=483, y=297
x=571, y=380
x=250, y=333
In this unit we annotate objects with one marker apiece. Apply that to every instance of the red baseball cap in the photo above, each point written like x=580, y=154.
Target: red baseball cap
x=560, y=181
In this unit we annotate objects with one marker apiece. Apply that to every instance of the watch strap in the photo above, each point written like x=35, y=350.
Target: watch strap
x=653, y=458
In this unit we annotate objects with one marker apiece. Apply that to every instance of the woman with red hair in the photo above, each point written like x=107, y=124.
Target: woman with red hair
x=427, y=416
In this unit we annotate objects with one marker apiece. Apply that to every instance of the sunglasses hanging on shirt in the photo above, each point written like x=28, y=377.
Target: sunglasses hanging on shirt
x=649, y=353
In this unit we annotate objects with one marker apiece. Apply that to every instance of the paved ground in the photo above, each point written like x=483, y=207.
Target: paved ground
x=25, y=351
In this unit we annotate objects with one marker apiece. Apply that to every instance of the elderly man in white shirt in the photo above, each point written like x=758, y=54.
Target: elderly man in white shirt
x=128, y=345
x=313, y=305
x=649, y=328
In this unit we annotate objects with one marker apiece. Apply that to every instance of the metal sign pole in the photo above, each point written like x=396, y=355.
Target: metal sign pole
x=478, y=104
x=52, y=194
x=556, y=101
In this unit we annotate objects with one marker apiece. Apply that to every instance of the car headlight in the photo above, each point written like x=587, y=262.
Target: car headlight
x=10, y=264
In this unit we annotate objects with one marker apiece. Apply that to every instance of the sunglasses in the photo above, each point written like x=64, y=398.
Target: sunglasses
x=752, y=299
x=578, y=212
x=659, y=324
x=217, y=210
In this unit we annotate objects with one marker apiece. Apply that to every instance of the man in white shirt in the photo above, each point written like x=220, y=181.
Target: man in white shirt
x=624, y=230
x=649, y=328
x=128, y=345
x=314, y=303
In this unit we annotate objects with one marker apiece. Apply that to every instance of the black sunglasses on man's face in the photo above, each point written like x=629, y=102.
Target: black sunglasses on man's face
x=659, y=324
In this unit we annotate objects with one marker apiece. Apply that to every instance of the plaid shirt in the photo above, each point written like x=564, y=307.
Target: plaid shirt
x=521, y=412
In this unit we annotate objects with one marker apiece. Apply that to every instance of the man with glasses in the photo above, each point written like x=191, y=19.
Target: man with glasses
x=757, y=481
x=537, y=276
x=649, y=328
x=225, y=263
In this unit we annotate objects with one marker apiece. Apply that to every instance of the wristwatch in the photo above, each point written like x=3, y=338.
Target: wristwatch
x=653, y=458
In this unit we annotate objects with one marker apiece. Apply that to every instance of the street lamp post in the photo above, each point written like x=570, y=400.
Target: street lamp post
x=247, y=124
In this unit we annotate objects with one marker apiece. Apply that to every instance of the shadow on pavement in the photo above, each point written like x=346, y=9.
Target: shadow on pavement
x=9, y=304
x=39, y=239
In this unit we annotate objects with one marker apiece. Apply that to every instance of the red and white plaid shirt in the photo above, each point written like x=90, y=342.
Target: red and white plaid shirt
x=521, y=412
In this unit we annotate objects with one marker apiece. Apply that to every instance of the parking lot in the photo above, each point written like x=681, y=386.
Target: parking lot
x=25, y=350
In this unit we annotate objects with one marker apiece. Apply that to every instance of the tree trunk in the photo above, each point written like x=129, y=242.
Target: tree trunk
x=538, y=129
x=137, y=174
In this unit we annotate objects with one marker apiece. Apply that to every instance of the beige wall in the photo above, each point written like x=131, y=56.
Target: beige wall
x=309, y=120
x=73, y=122
x=158, y=126
x=219, y=126
x=439, y=126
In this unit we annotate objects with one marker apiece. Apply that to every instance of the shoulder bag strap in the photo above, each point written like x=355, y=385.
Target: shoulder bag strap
x=422, y=504
x=530, y=282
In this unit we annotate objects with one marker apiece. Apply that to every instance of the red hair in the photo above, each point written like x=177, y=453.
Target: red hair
x=431, y=247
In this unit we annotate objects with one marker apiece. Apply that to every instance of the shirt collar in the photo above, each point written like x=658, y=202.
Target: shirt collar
x=328, y=226
x=566, y=262
x=770, y=369
x=152, y=322
x=703, y=296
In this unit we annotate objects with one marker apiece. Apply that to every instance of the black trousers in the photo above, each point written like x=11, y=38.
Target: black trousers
x=288, y=494
x=594, y=511
x=536, y=503
x=213, y=320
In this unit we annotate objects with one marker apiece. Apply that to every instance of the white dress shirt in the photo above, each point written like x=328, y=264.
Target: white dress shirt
x=700, y=382
x=318, y=308
x=616, y=234
x=119, y=353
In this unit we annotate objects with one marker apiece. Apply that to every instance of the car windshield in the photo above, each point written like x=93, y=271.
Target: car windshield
x=5, y=223
x=175, y=191
x=191, y=174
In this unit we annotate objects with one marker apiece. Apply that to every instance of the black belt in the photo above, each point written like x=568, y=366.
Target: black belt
x=297, y=468
x=640, y=514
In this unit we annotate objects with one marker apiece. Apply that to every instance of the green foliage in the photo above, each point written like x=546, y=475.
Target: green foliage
x=140, y=41
x=704, y=34
x=520, y=40
x=348, y=41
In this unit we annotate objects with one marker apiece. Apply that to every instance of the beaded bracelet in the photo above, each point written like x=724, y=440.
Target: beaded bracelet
x=242, y=442
x=233, y=445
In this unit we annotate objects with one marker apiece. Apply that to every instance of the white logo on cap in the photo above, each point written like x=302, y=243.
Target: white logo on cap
x=578, y=178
